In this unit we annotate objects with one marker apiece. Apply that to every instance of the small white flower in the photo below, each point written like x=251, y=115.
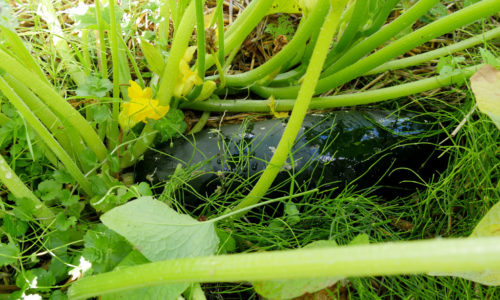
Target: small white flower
x=31, y=297
x=78, y=271
x=34, y=283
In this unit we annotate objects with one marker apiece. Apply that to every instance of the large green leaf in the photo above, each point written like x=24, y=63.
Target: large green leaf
x=485, y=84
x=159, y=232
x=287, y=289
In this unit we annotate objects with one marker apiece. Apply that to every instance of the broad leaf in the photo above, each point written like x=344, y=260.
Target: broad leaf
x=165, y=292
x=155, y=60
x=485, y=84
x=287, y=289
x=159, y=232
x=8, y=254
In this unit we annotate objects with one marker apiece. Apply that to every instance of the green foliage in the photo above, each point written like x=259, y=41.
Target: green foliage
x=9, y=253
x=449, y=64
x=171, y=125
x=104, y=248
x=85, y=16
x=154, y=58
x=94, y=86
x=160, y=232
x=283, y=27
x=7, y=16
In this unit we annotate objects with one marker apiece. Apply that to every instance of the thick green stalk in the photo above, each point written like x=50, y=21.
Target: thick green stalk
x=86, y=52
x=446, y=24
x=242, y=26
x=164, y=27
x=381, y=36
x=301, y=105
x=413, y=257
x=313, y=23
x=179, y=45
x=10, y=179
x=48, y=118
x=220, y=30
x=15, y=43
x=427, y=56
x=366, y=97
x=201, y=48
x=200, y=31
x=45, y=136
x=113, y=130
x=102, y=41
x=55, y=102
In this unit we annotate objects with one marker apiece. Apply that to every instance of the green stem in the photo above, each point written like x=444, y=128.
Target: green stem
x=46, y=136
x=85, y=51
x=301, y=105
x=179, y=46
x=113, y=126
x=220, y=30
x=366, y=97
x=201, y=123
x=164, y=27
x=15, y=43
x=143, y=143
x=381, y=36
x=200, y=31
x=102, y=40
x=133, y=62
x=48, y=118
x=427, y=56
x=446, y=24
x=313, y=23
x=55, y=102
x=413, y=257
x=10, y=179
x=242, y=26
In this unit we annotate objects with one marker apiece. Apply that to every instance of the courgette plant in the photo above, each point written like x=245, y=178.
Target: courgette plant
x=336, y=42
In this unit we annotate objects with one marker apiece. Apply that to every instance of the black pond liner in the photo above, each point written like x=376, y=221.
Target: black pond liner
x=356, y=148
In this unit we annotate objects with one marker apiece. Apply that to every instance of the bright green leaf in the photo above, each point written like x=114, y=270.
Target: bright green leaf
x=485, y=84
x=104, y=248
x=155, y=60
x=159, y=232
x=8, y=254
x=171, y=125
x=287, y=289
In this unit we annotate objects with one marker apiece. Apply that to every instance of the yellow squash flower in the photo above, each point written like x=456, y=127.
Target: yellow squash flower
x=187, y=78
x=141, y=107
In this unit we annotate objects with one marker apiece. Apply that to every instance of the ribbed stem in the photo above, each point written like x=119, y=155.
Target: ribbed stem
x=414, y=257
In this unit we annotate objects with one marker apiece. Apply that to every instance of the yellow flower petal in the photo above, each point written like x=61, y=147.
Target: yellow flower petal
x=140, y=108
